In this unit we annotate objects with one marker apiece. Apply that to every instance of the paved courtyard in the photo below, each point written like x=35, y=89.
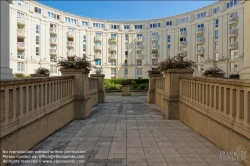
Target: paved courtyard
x=128, y=131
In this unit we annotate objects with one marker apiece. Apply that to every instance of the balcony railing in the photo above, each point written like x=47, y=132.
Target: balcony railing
x=200, y=30
x=183, y=43
x=139, y=47
x=70, y=53
x=200, y=51
x=183, y=33
x=183, y=52
x=98, y=38
x=112, y=56
x=200, y=40
x=97, y=56
x=155, y=55
x=20, y=33
x=155, y=46
x=139, y=56
x=233, y=20
x=52, y=40
x=233, y=32
x=233, y=45
x=52, y=51
x=154, y=38
x=112, y=48
x=97, y=47
x=21, y=20
x=112, y=39
x=138, y=39
x=20, y=45
x=70, y=34
x=52, y=30
x=70, y=43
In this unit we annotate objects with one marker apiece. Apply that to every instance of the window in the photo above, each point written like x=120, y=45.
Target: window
x=200, y=25
x=200, y=36
x=154, y=33
x=233, y=66
x=182, y=20
x=234, y=54
x=139, y=35
x=20, y=54
x=155, y=25
x=126, y=45
x=126, y=36
x=113, y=71
x=216, y=46
x=84, y=47
x=168, y=23
x=126, y=71
x=216, y=56
x=53, y=26
x=126, y=26
x=20, y=14
x=53, y=69
x=21, y=3
x=234, y=27
x=113, y=62
x=232, y=3
x=182, y=29
x=38, y=10
x=154, y=61
x=233, y=14
x=113, y=34
x=168, y=47
x=70, y=20
x=37, y=39
x=98, y=25
x=70, y=30
x=183, y=39
x=53, y=15
x=169, y=37
x=113, y=26
x=125, y=62
x=85, y=23
x=37, y=51
x=98, y=34
x=20, y=66
x=138, y=26
x=200, y=15
x=216, y=23
x=216, y=10
x=216, y=34
x=84, y=39
x=138, y=52
x=139, y=62
x=139, y=71
x=98, y=62
x=37, y=28
x=126, y=52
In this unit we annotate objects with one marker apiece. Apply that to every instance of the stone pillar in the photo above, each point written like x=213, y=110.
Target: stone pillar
x=245, y=72
x=5, y=71
x=170, y=101
x=126, y=90
x=81, y=91
x=101, y=90
x=151, y=87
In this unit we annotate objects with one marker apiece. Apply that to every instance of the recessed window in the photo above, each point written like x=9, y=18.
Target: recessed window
x=84, y=47
x=234, y=66
x=182, y=20
x=20, y=66
x=168, y=23
x=216, y=21
x=84, y=23
x=154, y=61
x=37, y=28
x=126, y=26
x=126, y=36
x=232, y=3
x=114, y=26
x=84, y=39
x=53, y=15
x=113, y=71
x=169, y=38
x=155, y=25
x=201, y=15
x=139, y=71
x=98, y=25
x=113, y=62
x=138, y=26
x=38, y=10
x=53, y=69
x=216, y=10
x=126, y=46
x=216, y=34
x=216, y=46
x=20, y=54
x=70, y=20
x=126, y=71
x=98, y=62
x=216, y=56
x=37, y=51
x=37, y=39
x=139, y=62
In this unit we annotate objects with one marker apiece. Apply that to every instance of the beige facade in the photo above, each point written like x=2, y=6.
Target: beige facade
x=126, y=49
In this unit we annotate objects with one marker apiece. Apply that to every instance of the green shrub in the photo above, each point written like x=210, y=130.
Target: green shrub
x=19, y=75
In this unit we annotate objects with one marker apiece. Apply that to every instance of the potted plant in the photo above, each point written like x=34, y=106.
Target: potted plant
x=234, y=76
x=126, y=87
x=213, y=72
x=41, y=72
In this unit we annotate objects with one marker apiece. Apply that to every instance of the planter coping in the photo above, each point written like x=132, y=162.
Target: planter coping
x=155, y=75
x=179, y=71
x=97, y=75
x=74, y=70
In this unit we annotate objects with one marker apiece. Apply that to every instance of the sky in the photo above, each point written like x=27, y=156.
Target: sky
x=127, y=10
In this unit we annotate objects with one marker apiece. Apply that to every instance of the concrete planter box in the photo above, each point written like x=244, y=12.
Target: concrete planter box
x=215, y=75
x=151, y=87
x=39, y=75
x=125, y=90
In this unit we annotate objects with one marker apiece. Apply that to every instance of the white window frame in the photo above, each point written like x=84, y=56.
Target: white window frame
x=169, y=38
x=85, y=23
x=216, y=10
x=84, y=47
x=169, y=23
x=37, y=28
x=126, y=26
x=113, y=62
x=39, y=10
x=37, y=41
x=84, y=39
x=139, y=71
x=21, y=66
x=38, y=53
x=53, y=69
x=113, y=71
x=155, y=25
x=139, y=26
x=20, y=56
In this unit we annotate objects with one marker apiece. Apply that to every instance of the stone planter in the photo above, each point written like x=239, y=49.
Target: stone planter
x=125, y=90
x=151, y=87
x=101, y=90
x=170, y=101
x=39, y=75
x=215, y=75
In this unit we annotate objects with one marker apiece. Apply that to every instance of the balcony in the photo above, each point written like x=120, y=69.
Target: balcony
x=138, y=39
x=201, y=60
x=97, y=56
x=183, y=43
x=70, y=34
x=112, y=48
x=155, y=55
x=70, y=43
x=70, y=53
x=21, y=33
x=233, y=33
x=53, y=51
x=201, y=30
x=139, y=47
x=139, y=56
x=200, y=51
x=155, y=47
x=112, y=39
x=183, y=33
x=52, y=41
x=183, y=52
x=21, y=20
x=233, y=45
x=112, y=56
x=97, y=47
x=52, y=30
x=98, y=38
x=155, y=38
x=20, y=45
x=53, y=59
x=233, y=20
x=200, y=40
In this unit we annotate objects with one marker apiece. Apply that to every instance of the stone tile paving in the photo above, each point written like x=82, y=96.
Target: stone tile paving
x=128, y=131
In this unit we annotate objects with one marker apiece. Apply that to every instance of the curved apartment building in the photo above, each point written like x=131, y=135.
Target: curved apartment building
x=212, y=35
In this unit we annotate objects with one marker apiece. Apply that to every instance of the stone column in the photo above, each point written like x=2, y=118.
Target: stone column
x=5, y=71
x=245, y=72
x=151, y=87
x=101, y=90
x=170, y=101
x=81, y=98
